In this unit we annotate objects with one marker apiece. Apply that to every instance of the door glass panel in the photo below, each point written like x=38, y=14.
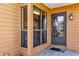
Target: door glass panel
x=58, y=26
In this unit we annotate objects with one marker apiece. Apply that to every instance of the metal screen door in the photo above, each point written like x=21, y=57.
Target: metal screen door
x=59, y=29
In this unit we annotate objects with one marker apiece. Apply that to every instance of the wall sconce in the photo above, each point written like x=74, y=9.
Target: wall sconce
x=70, y=16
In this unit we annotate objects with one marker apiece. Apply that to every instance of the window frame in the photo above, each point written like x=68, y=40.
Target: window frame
x=41, y=29
x=22, y=29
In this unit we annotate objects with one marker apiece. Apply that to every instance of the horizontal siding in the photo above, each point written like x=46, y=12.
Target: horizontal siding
x=73, y=31
x=24, y=51
x=9, y=29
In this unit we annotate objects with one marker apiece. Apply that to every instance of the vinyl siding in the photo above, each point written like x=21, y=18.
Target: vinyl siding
x=10, y=29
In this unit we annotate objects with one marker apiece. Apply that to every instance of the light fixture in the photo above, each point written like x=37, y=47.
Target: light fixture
x=36, y=12
x=70, y=16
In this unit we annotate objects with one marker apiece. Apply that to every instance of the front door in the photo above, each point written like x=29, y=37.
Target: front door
x=59, y=29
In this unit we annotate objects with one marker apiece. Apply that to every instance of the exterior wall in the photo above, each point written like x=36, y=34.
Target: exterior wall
x=24, y=51
x=9, y=29
x=10, y=22
x=30, y=29
x=72, y=26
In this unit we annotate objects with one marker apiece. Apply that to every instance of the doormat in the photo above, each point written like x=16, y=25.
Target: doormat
x=56, y=49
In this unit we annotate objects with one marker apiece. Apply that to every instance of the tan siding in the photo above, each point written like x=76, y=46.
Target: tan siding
x=9, y=29
x=24, y=51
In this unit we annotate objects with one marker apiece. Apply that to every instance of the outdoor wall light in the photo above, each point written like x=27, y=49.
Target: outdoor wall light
x=70, y=16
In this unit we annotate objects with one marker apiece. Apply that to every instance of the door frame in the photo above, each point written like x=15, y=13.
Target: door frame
x=65, y=13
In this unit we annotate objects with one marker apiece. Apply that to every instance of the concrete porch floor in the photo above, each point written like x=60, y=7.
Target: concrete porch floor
x=48, y=52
